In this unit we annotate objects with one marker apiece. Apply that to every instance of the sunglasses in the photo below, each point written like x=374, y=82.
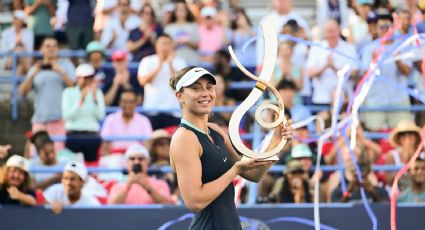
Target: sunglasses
x=384, y=26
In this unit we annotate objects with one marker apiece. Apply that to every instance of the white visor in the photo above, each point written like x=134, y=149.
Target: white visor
x=193, y=75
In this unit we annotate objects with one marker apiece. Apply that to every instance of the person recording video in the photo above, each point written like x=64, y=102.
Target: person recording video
x=48, y=78
x=139, y=187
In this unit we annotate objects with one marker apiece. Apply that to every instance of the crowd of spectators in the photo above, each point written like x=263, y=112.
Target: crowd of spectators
x=131, y=52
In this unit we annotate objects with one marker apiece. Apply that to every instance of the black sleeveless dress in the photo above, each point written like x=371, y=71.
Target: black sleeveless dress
x=221, y=213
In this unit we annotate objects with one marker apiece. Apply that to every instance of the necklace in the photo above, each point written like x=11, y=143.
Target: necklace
x=193, y=126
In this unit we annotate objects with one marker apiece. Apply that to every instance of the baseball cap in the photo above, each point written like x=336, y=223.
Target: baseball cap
x=95, y=46
x=364, y=2
x=294, y=166
x=119, y=56
x=135, y=150
x=18, y=162
x=77, y=168
x=208, y=12
x=20, y=14
x=193, y=75
x=300, y=151
x=372, y=16
x=84, y=70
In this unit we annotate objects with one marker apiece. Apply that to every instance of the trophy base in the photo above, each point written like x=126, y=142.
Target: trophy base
x=273, y=158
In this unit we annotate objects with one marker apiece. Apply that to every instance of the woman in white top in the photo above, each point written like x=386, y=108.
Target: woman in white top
x=17, y=38
x=83, y=106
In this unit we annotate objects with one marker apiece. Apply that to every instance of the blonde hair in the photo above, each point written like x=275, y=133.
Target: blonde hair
x=24, y=187
x=178, y=75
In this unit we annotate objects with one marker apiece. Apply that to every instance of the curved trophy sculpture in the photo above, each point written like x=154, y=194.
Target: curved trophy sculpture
x=269, y=61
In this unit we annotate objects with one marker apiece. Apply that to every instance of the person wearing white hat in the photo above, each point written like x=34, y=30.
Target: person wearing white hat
x=212, y=35
x=70, y=192
x=405, y=139
x=139, y=188
x=17, y=38
x=203, y=156
x=83, y=106
x=15, y=183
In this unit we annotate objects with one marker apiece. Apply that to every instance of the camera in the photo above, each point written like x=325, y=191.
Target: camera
x=137, y=168
x=46, y=66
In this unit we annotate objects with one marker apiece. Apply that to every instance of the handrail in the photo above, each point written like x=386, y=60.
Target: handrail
x=168, y=169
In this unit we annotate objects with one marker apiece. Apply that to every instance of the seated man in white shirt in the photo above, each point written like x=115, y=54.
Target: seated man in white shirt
x=70, y=192
x=154, y=74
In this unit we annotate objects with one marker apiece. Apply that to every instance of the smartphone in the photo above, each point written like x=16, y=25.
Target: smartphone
x=46, y=66
x=137, y=168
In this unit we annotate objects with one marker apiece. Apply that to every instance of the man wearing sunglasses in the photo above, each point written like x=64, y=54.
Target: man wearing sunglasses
x=391, y=72
x=139, y=188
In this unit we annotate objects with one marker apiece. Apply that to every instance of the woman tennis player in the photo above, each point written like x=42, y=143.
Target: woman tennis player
x=203, y=156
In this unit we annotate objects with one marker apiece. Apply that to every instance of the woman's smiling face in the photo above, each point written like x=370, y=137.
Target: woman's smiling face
x=199, y=97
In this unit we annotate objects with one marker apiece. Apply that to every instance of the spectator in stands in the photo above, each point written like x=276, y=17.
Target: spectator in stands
x=242, y=31
x=405, y=24
x=70, y=192
x=120, y=80
x=282, y=14
x=154, y=72
x=405, y=138
x=395, y=71
x=125, y=122
x=17, y=38
x=221, y=65
x=212, y=35
x=221, y=98
x=49, y=77
x=323, y=64
x=41, y=12
x=335, y=178
x=415, y=193
x=139, y=187
x=116, y=32
x=353, y=194
x=79, y=26
x=95, y=57
x=332, y=9
x=184, y=31
x=46, y=160
x=287, y=91
x=83, y=106
x=15, y=183
x=372, y=19
x=293, y=187
x=358, y=25
x=371, y=148
x=299, y=57
x=141, y=40
x=285, y=69
x=159, y=148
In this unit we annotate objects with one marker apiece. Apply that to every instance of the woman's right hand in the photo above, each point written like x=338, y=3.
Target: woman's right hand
x=246, y=164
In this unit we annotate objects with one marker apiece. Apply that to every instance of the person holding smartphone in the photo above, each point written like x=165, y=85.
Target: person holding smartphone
x=48, y=78
x=139, y=187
